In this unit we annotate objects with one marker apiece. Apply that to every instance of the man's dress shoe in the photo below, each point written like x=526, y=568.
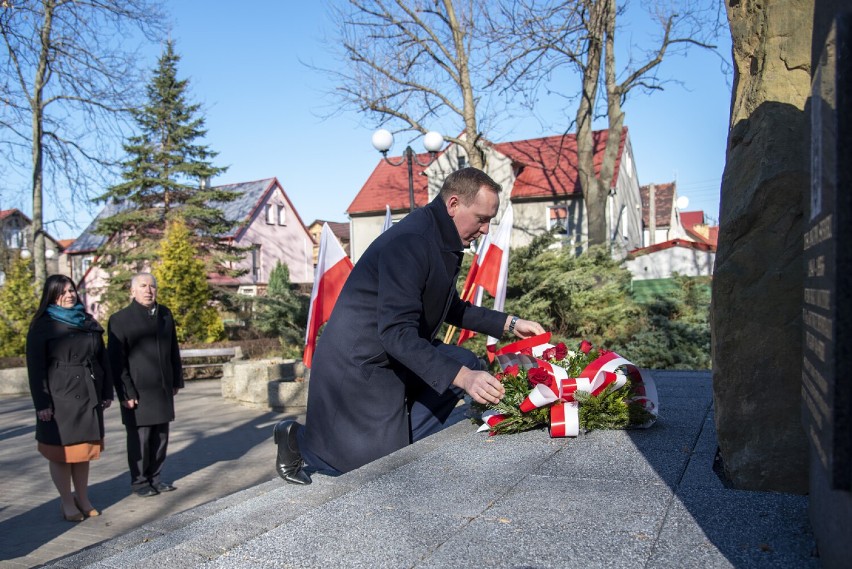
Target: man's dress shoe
x=146, y=492
x=289, y=460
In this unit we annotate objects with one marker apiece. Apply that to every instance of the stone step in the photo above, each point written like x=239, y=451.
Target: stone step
x=638, y=498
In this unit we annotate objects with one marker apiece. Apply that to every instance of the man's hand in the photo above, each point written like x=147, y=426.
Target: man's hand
x=523, y=328
x=130, y=403
x=480, y=385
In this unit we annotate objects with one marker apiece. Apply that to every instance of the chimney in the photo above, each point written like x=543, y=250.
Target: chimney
x=652, y=214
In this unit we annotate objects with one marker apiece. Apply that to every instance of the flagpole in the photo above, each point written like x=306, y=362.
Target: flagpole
x=451, y=331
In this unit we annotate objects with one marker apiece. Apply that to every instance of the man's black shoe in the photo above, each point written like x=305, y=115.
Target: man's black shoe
x=146, y=492
x=289, y=460
x=163, y=487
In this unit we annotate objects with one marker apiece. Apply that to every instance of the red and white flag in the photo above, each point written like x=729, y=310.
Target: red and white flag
x=333, y=267
x=492, y=270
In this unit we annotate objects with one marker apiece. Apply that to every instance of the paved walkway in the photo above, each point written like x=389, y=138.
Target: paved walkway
x=216, y=448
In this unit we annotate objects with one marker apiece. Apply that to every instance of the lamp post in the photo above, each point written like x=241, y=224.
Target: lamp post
x=383, y=140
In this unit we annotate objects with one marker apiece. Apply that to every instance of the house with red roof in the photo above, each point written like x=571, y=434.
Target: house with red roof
x=17, y=241
x=684, y=244
x=267, y=224
x=661, y=260
x=660, y=214
x=674, y=241
x=697, y=229
x=539, y=178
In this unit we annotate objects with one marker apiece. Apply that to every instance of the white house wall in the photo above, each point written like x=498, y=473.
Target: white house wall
x=625, y=207
x=664, y=263
x=363, y=230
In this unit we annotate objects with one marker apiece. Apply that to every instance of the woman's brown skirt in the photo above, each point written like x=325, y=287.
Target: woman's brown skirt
x=80, y=452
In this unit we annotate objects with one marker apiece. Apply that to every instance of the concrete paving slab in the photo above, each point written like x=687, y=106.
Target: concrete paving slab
x=344, y=535
x=735, y=528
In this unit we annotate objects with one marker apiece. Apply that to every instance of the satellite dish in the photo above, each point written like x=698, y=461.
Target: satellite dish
x=682, y=202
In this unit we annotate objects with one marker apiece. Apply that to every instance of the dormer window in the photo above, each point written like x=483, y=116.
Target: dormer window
x=271, y=213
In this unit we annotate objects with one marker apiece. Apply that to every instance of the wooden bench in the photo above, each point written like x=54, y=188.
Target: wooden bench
x=234, y=353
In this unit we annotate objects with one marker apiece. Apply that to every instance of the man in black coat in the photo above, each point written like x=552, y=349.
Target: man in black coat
x=145, y=358
x=380, y=379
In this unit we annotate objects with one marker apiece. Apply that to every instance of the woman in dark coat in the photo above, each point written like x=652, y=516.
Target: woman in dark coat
x=71, y=386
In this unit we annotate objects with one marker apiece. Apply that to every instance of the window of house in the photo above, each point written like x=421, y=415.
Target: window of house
x=282, y=215
x=558, y=218
x=14, y=235
x=85, y=264
x=255, y=263
x=270, y=213
x=462, y=161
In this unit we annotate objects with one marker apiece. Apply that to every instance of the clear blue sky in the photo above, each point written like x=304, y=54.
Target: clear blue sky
x=263, y=111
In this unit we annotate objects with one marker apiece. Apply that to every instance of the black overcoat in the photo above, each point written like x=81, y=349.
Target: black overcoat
x=145, y=357
x=378, y=344
x=68, y=372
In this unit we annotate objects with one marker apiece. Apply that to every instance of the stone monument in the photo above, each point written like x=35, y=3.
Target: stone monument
x=757, y=283
x=827, y=307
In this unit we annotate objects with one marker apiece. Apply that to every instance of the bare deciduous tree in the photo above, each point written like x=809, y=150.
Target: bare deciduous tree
x=69, y=76
x=543, y=37
x=413, y=61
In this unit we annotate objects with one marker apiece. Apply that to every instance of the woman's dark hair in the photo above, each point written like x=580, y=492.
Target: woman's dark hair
x=54, y=286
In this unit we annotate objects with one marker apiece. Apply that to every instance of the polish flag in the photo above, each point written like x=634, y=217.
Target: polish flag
x=333, y=267
x=492, y=271
x=388, y=219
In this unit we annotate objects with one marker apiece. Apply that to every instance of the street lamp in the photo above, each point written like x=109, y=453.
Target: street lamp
x=383, y=140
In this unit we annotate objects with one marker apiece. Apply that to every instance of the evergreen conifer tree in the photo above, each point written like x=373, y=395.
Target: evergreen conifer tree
x=182, y=286
x=282, y=311
x=18, y=303
x=166, y=172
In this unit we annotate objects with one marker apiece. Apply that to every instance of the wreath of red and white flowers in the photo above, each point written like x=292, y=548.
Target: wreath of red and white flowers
x=566, y=390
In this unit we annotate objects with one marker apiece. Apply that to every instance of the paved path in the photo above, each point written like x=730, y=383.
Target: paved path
x=216, y=448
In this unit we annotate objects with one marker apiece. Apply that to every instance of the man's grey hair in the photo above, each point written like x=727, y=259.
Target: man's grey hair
x=137, y=276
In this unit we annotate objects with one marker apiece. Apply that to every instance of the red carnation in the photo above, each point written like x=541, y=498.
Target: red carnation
x=538, y=375
x=585, y=347
x=548, y=354
x=512, y=370
x=561, y=351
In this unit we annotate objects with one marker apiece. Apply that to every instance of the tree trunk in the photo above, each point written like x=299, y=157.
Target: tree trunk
x=593, y=194
x=38, y=242
x=469, y=104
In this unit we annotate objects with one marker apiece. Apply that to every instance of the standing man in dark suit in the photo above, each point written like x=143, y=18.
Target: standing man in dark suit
x=380, y=379
x=143, y=349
